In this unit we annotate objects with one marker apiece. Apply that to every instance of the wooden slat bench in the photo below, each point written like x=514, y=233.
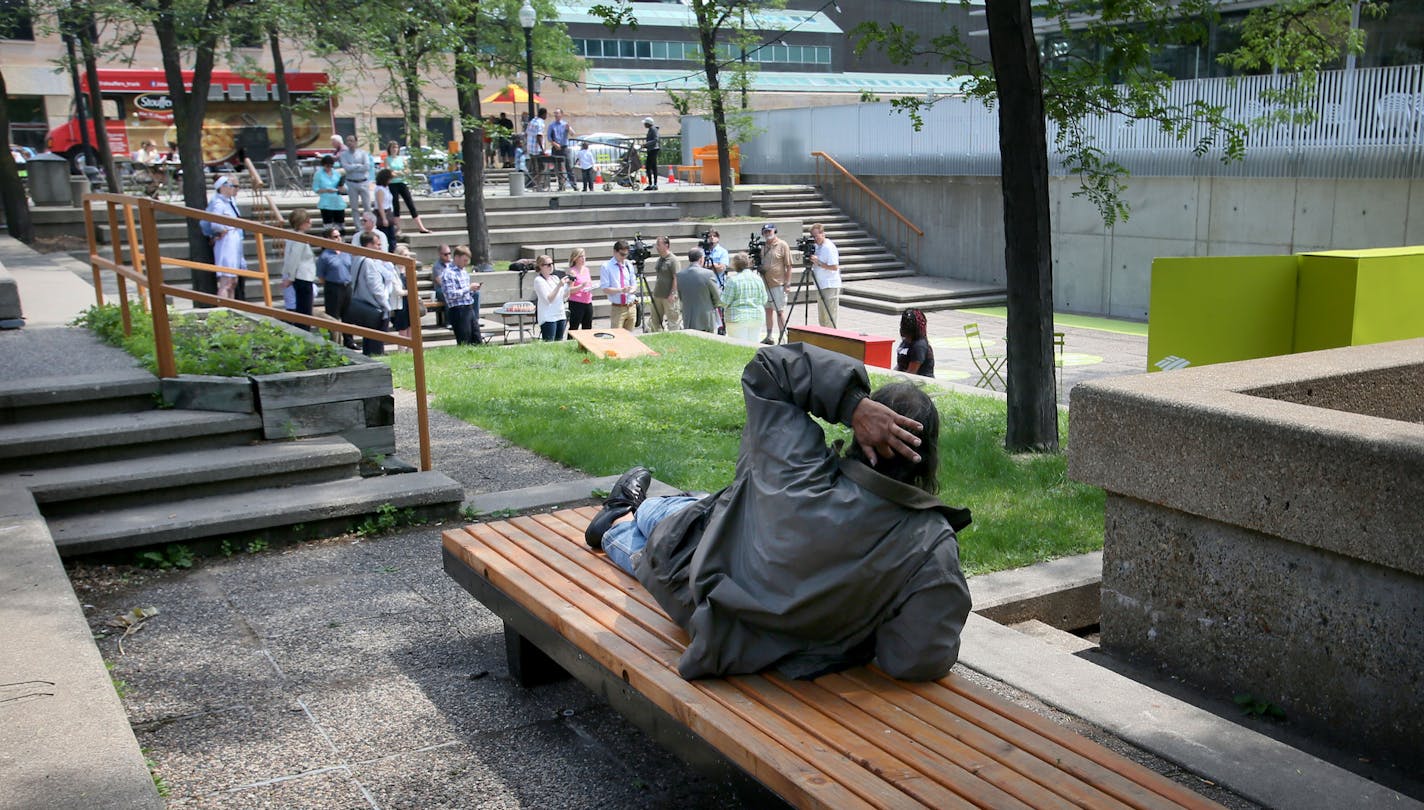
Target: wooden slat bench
x=852, y=739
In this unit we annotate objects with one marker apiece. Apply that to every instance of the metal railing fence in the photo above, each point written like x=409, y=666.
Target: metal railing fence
x=138, y=257
x=1368, y=123
x=901, y=236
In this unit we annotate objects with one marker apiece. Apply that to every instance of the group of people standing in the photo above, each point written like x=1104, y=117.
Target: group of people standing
x=349, y=178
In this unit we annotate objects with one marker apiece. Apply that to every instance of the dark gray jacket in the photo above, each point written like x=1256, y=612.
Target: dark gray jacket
x=809, y=562
x=697, y=290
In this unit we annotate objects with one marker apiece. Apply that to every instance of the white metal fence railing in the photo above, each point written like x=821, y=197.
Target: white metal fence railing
x=1368, y=123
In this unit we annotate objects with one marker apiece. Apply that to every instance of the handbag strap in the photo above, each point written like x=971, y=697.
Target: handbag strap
x=359, y=271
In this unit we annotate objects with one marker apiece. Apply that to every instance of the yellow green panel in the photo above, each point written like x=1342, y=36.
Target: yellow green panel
x=1216, y=309
x=1325, y=300
x=1389, y=298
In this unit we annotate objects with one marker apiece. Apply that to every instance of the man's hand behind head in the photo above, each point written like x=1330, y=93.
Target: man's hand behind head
x=881, y=432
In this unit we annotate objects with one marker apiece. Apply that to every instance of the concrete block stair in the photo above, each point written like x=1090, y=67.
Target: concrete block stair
x=108, y=480
x=254, y=511
x=868, y=269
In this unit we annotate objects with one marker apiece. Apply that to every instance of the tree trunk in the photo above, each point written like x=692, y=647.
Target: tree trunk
x=12, y=192
x=1023, y=143
x=90, y=35
x=719, y=118
x=412, y=107
x=472, y=131
x=284, y=99
x=81, y=111
x=188, y=111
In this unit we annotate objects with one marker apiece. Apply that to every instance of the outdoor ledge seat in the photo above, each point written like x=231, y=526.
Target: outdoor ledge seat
x=852, y=739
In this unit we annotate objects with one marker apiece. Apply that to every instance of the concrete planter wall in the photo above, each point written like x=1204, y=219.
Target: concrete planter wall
x=1264, y=533
x=354, y=401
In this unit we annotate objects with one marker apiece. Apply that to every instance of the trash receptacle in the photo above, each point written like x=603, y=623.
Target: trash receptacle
x=516, y=183
x=49, y=179
x=79, y=185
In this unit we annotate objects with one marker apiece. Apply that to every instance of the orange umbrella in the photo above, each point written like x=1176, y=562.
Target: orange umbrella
x=514, y=94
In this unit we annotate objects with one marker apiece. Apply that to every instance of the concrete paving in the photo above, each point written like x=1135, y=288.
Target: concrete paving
x=352, y=672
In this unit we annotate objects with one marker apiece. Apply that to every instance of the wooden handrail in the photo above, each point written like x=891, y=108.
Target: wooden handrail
x=856, y=181
x=145, y=268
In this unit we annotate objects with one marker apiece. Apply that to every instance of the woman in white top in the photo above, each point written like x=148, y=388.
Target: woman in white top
x=299, y=265
x=395, y=297
x=550, y=293
x=385, y=211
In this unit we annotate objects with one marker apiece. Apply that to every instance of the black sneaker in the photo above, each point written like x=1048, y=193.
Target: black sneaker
x=601, y=523
x=631, y=488
x=627, y=495
x=767, y=341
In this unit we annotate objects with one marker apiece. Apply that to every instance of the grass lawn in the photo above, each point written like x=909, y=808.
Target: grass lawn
x=681, y=415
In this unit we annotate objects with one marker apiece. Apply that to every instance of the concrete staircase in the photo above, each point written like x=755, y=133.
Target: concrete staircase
x=109, y=470
x=869, y=271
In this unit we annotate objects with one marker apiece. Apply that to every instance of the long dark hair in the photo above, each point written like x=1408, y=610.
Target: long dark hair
x=912, y=324
x=908, y=399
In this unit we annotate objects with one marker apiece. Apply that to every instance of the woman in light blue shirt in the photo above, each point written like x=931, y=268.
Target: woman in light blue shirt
x=329, y=185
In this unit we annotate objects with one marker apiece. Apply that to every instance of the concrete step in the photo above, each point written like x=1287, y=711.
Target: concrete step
x=118, y=391
x=880, y=305
x=431, y=494
x=182, y=475
x=911, y=295
x=799, y=209
x=90, y=439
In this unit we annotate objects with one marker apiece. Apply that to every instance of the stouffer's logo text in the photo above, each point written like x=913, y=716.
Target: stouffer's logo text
x=154, y=102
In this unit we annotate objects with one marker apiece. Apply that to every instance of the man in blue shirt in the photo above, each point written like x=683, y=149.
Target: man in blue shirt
x=334, y=268
x=618, y=282
x=462, y=298
x=559, y=133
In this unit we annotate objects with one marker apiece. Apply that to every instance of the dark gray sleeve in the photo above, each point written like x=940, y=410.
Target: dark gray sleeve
x=920, y=641
x=784, y=386
x=803, y=378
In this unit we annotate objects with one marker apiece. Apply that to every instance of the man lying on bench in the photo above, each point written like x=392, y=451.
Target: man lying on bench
x=809, y=562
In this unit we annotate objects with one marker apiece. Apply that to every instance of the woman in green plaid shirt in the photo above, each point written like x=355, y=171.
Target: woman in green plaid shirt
x=744, y=300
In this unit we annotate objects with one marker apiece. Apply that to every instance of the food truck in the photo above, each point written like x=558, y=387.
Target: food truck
x=242, y=113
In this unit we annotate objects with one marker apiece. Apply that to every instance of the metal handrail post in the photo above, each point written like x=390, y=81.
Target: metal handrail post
x=158, y=305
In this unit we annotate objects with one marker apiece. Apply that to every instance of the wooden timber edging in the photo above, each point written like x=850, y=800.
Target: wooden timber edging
x=852, y=739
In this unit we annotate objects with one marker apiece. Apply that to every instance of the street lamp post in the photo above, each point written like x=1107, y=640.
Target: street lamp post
x=527, y=18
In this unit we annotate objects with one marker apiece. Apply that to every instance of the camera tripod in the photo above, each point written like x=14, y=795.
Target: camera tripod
x=645, y=293
x=806, y=272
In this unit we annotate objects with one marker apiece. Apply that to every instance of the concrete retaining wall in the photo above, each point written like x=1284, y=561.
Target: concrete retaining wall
x=1105, y=271
x=355, y=402
x=1263, y=533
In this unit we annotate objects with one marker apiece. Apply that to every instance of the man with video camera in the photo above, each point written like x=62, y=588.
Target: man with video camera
x=715, y=256
x=775, y=272
x=826, y=264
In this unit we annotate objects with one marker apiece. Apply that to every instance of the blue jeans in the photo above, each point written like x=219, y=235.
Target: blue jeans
x=553, y=330
x=625, y=541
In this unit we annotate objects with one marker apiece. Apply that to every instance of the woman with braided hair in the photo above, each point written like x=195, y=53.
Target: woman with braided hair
x=915, y=354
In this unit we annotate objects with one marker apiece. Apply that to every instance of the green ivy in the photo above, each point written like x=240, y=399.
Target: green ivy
x=222, y=344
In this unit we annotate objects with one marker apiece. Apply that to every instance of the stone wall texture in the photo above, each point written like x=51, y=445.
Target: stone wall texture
x=1263, y=533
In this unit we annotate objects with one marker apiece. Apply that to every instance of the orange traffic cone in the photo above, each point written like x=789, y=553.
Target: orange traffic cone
x=672, y=176
x=598, y=178
x=642, y=177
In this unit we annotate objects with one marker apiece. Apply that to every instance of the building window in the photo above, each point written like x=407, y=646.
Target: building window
x=690, y=52
x=15, y=21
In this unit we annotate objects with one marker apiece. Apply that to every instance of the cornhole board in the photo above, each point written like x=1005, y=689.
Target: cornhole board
x=617, y=344
x=872, y=350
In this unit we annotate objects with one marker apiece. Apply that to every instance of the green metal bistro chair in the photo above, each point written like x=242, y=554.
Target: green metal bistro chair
x=1058, y=347
x=990, y=367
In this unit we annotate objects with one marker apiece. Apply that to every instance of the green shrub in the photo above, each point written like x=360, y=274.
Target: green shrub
x=222, y=344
